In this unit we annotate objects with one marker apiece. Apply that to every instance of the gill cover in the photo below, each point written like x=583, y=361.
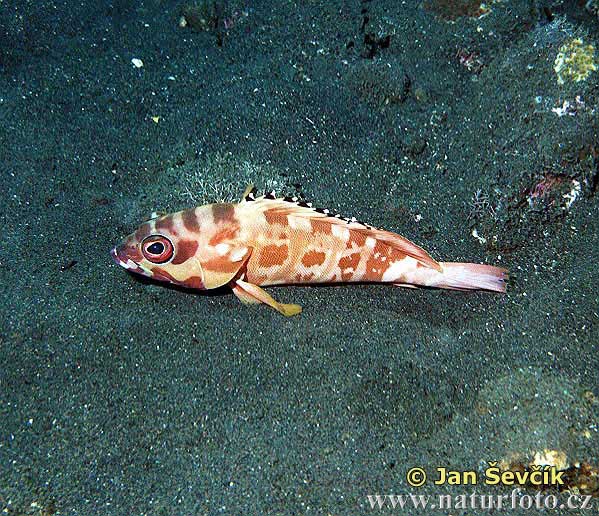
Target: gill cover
x=221, y=270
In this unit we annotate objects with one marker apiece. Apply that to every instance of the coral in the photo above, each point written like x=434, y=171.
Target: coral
x=481, y=205
x=578, y=477
x=470, y=59
x=574, y=61
x=593, y=7
x=201, y=16
x=222, y=178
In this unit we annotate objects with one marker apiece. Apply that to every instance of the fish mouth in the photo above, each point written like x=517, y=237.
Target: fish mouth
x=120, y=258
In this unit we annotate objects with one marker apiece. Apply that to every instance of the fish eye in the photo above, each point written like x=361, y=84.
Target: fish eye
x=157, y=249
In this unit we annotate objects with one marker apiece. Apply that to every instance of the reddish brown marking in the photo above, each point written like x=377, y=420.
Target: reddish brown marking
x=374, y=270
x=143, y=231
x=193, y=282
x=160, y=274
x=226, y=233
x=355, y=237
x=394, y=255
x=313, y=258
x=320, y=226
x=275, y=217
x=273, y=255
x=223, y=212
x=375, y=267
x=190, y=221
x=256, y=278
x=303, y=278
x=221, y=264
x=185, y=250
x=165, y=224
x=347, y=276
x=350, y=261
x=381, y=248
x=130, y=250
x=346, y=262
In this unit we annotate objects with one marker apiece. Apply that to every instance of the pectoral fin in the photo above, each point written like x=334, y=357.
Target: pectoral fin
x=249, y=293
x=243, y=296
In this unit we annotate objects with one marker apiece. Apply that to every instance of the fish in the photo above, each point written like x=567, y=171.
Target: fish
x=266, y=240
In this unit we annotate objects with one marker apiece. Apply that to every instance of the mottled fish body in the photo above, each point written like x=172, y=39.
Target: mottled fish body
x=264, y=241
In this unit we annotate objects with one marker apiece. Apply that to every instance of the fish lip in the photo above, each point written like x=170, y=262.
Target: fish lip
x=124, y=261
x=115, y=256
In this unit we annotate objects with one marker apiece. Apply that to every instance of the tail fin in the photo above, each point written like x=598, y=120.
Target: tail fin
x=472, y=276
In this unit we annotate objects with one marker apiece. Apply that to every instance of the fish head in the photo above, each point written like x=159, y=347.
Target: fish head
x=164, y=250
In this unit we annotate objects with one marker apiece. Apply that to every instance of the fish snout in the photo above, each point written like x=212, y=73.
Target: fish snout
x=125, y=257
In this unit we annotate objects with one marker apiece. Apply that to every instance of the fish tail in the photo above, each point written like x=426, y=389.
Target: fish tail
x=456, y=276
x=472, y=276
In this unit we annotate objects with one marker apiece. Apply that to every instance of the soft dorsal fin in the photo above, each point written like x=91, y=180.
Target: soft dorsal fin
x=292, y=206
x=405, y=246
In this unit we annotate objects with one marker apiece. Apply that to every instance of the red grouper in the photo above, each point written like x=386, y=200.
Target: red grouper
x=264, y=241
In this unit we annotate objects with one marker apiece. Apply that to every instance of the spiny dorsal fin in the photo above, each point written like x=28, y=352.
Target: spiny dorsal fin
x=249, y=194
x=156, y=214
x=293, y=206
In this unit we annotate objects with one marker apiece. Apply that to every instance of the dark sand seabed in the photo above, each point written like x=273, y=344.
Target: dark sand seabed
x=120, y=396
